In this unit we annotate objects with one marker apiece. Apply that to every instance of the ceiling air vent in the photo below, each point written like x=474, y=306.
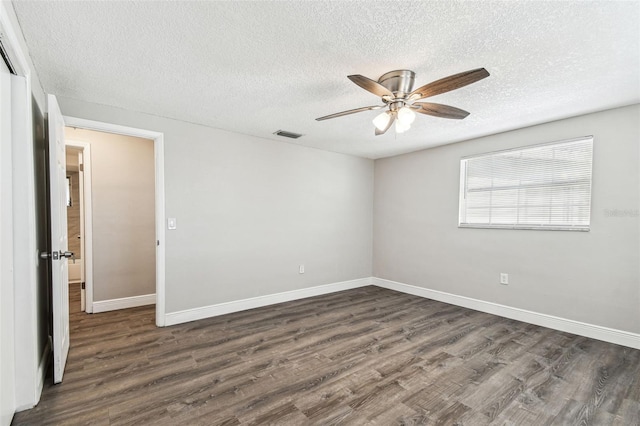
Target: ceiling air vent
x=286, y=134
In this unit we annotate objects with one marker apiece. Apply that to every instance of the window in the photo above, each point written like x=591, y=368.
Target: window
x=536, y=187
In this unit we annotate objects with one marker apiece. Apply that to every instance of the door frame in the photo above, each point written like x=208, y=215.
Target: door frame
x=7, y=301
x=158, y=150
x=86, y=210
x=81, y=195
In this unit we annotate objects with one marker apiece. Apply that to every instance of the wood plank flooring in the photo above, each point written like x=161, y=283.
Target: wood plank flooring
x=363, y=356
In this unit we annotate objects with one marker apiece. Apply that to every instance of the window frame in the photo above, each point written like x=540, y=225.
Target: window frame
x=543, y=227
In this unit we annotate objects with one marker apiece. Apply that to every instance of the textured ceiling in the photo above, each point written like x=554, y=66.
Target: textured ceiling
x=257, y=67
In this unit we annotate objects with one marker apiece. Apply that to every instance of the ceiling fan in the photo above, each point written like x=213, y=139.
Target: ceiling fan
x=395, y=89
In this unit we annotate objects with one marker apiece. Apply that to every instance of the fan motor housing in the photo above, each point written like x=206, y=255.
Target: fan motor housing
x=400, y=82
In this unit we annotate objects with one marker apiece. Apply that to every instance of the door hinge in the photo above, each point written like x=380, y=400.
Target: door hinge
x=83, y=287
x=81, y=167
x=158, y=242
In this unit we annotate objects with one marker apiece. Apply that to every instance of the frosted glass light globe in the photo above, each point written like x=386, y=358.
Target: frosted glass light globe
x=406, y=115
x=382, y=121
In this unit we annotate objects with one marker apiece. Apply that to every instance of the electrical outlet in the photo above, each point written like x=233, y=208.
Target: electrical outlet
x=301, y=269
x=504, y=278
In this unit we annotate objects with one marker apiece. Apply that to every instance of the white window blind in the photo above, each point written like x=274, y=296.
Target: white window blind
x=537, y=187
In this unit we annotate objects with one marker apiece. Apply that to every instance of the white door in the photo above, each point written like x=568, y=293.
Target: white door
x=59, y=244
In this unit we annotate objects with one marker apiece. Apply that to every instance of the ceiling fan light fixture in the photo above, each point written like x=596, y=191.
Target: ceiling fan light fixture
x=382, y=121
x=395, y=88
x=406, y=116
x=402, y=127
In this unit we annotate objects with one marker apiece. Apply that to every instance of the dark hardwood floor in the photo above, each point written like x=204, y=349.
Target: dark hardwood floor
x=364, y=356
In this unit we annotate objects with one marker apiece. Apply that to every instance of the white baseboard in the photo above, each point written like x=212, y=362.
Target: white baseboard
x=194, y=314
x=606, y=334
x=123, y=303
x=610, y=335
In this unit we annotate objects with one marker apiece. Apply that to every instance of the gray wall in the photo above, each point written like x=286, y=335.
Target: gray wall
x=251, y=210
x=123, y=205
x=593, y=277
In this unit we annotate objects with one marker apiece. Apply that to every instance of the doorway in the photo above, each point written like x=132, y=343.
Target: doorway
x=111, y=220
x=75, y=221
x=119, y=213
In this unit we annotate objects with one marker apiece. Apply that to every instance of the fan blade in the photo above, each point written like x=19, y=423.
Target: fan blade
x=351, y=111
x=439, y=110
x=370, y=85
x=382, y=132
x=447, y=84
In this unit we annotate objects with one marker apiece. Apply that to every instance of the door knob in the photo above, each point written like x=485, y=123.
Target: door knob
x=68, y=255
x=55, y=255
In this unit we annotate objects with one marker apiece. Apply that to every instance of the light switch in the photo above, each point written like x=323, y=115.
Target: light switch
x=504, y=278
x=172, y=223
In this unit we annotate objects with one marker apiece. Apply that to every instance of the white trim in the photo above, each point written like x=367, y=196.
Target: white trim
x=12, y=45
x=83, y=256
x=123, y=303
x=101, y=126
x=606, y=334
x=25, y=248
x=158, y=149
x=179, y=317
x=87, y=237
x=9, y=362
